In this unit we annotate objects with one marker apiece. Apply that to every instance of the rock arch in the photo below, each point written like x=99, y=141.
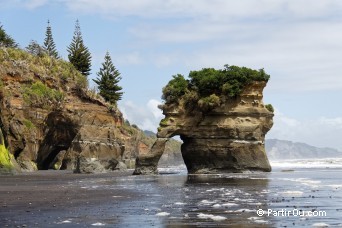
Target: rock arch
x=229, y=138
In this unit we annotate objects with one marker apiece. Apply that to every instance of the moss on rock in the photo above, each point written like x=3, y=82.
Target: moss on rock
x=6, y=165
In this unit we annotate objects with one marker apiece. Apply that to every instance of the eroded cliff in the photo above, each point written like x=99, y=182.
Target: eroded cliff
x=225, y=135
x=51, y=120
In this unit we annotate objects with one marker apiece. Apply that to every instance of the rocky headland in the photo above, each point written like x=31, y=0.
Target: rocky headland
x=222, y=132
x=51, y=120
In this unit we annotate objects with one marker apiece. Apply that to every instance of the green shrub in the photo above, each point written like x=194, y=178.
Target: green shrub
x=126, y=122
x=128, y=129
x=17, y=54
x=190, y=99
x=209, y=103
x=164, y=121
x=176, y=88
x=229, y=81
x=39, y=95
x=81, y=83
x=206, y=86
x=28, y=124
x=269, y=107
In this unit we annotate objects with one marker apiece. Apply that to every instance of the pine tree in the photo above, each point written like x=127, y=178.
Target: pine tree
x=6, y=40
x=107, y=81
x=49, y=44
x=79, y=55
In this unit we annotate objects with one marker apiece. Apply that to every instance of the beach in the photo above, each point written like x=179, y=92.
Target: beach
x=308, y=196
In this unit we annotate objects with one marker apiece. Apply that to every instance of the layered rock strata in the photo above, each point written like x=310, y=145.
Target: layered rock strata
x=80, y=132
x=229, y=138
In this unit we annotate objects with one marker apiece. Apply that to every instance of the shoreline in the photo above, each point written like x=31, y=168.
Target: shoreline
x=120, y=199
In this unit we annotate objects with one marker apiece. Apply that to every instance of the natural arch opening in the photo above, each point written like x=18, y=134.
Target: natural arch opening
x=172, y=160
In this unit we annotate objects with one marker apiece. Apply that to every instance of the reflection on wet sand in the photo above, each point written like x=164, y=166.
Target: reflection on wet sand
x=174, y=199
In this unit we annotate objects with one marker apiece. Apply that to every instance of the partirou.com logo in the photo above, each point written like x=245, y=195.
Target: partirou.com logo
x=293, y=212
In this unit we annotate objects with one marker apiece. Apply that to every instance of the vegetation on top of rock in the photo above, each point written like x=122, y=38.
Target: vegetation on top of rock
x=207, y=88
x=176, y=88
x=107, y=81
x=60, y=76
x=41, y=66
x=49, y=64
x=79, y=55
x=6, y=40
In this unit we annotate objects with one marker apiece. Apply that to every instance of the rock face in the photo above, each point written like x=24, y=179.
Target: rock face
x=229, y=138
x=79, y=132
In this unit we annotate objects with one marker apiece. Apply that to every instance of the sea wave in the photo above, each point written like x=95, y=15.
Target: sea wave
x=308, y=163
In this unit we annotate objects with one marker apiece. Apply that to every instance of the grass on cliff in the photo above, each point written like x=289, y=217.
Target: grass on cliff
x=206, y=88
x=41, y=96
x=59, y=75
x=57, y=72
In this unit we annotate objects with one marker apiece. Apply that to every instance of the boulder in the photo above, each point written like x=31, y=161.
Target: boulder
x=88, y=165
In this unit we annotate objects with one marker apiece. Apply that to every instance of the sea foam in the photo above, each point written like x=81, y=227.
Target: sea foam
x=163, y=214
x=210, y=216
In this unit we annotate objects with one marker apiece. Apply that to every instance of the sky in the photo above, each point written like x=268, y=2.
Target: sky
x=297, y=42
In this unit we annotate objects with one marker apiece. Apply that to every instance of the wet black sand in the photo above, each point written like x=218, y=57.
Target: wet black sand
x=64, y=199
x=47, y=198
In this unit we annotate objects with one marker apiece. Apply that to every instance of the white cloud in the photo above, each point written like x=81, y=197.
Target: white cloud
x=300, y=57
x=131, y=58
x=32, y=4
x=29, y=4
x=152, y=106
x=299, y=42
x=214, y=9
x=332, y=122
x=321, y=132
x=146, y=117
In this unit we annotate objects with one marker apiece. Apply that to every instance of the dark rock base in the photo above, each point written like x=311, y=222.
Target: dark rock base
x=205, y=156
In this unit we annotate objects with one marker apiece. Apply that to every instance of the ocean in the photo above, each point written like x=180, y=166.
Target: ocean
x=297, y=193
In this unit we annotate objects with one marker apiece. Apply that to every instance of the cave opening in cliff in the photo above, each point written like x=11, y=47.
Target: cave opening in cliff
x=61, y=133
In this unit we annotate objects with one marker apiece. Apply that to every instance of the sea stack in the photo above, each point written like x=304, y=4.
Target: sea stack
x=226, y=134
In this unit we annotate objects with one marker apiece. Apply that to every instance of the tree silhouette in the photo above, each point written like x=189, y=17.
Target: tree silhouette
x=79, y=55
x=107, y=81
x=49, y=44
x=6, y=40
